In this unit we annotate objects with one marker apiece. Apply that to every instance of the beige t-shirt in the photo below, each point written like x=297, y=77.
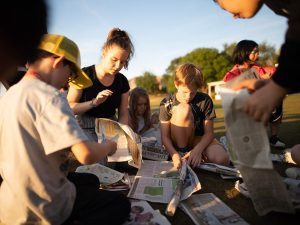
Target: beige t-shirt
x=36, y=124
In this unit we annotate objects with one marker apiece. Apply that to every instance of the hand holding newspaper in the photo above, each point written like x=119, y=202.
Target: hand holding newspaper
x=250, y=152
x=154, y=183
x=171, y=208
x=129, y=147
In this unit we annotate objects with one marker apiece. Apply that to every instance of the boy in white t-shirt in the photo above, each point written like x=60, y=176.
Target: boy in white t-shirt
x=37, y=128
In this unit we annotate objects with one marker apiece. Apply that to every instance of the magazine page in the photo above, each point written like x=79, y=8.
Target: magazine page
x=129, y=147
x=152, y=184
x=250, y=152
x=208, y=209
x=143, y=214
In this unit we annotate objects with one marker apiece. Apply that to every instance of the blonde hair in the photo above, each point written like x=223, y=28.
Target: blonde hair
x=188, y=74
x=121, y=39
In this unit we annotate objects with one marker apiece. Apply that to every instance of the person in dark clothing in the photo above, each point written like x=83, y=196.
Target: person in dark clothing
x=110, y=90
x=268, y=94
x=22, y=25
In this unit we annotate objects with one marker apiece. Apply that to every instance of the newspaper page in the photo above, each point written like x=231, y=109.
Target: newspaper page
x=129, y=147
x=143, y=214
x=152, y=185
x=154, y=152
x=231, y=172
x=153, y=149
x=250, y=152
x=208, y=209
x=105, y=175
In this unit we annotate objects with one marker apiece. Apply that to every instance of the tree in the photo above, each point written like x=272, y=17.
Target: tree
x=149, y=82
x=212, y=63
x=267, y=55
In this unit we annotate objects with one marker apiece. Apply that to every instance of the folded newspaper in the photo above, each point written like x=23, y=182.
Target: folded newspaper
x=153, y=184
x=226, y=172
x=129, y=146
x=208, y=209
x=142, y=213
x=109, y=179
x=250, y=152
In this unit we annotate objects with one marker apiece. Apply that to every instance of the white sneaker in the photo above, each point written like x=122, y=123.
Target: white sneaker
x=293, y=172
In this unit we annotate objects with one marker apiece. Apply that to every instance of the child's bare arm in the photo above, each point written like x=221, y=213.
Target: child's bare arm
x=88, y=152
x=167, y=142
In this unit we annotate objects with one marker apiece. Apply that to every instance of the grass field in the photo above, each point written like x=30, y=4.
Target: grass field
x=224, y=189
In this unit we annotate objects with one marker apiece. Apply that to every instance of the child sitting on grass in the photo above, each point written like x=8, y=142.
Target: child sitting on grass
x=140, y=119
x=37, y=129
x=186, y=120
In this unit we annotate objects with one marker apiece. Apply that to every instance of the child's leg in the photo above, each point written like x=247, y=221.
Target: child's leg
x=215, y=153
x=95, y=206
x=182, y=125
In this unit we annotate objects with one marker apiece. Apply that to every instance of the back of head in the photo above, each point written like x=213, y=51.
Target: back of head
x=188, y=74
x=242, y=51
x=22, y=24
x=121, y=39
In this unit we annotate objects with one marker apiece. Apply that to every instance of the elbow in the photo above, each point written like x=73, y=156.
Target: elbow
x=86, y=160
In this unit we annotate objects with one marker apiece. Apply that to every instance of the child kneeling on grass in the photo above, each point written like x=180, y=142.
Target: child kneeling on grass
x=186, y=120
x=37, y=129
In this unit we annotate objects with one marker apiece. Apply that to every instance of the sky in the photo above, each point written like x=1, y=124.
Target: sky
x=161, y=30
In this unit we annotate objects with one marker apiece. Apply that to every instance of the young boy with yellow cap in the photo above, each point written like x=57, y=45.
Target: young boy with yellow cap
x=37, y=128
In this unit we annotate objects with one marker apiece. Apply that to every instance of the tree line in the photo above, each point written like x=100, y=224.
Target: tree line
x=213, y=63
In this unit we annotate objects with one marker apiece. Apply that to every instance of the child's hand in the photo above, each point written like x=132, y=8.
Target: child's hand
x=176, y=161
x=193, y=157
x=112, y=147
x=102, y=96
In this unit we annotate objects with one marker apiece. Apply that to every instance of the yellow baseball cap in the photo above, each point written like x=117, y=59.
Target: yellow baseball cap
x=62, y=46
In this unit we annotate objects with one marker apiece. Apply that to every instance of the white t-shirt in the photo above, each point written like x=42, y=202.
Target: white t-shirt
x=2, y=90
x=36, y=123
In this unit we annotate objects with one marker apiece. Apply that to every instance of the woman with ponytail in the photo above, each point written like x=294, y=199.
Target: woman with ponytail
x=110, y=89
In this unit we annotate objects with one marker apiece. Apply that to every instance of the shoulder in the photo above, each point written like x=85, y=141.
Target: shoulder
x=232, y=73
x=121, y=77
x=167, y=100
x=89, y=70
x=200, y=96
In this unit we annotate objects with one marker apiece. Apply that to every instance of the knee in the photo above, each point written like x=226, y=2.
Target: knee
x=220, y=157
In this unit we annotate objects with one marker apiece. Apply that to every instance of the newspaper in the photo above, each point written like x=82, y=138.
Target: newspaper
x=152, y=149
x=129, y=147
x=250, y=152
x=226, y=172
x=143, y=214
x=105, y=175
x=109, y=179
x=172, y=206
x=152, y=184
x=208, y=209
